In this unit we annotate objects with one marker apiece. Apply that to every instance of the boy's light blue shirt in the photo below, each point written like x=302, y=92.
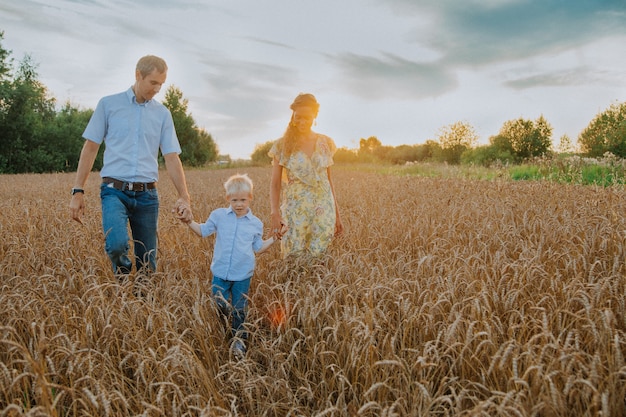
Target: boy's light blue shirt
x=133, y=134
x=236, y=241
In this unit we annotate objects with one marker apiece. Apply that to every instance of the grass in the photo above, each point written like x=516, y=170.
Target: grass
x=445, y=297
x=430, y=170
x=568, y=169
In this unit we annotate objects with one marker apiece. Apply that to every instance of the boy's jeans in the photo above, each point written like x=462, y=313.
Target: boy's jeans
x=237, y=293
x=141, y=210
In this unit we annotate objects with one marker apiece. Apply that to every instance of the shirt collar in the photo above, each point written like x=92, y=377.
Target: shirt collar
x=133, y=99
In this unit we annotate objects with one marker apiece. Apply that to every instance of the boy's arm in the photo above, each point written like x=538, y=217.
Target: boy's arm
x=195, y=227
x=267, y=243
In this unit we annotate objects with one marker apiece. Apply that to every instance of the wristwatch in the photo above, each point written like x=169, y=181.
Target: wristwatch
x=77, y=190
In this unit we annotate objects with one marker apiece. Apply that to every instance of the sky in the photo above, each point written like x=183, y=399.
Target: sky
x=399, y=70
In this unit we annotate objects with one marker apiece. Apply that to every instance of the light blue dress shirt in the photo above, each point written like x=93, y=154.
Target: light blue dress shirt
x=133, y=134
x=236, y=241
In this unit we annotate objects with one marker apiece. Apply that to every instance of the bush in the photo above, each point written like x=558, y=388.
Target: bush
x=345, y=156
x=606, y=133
x=487, y=156
x=260, y=155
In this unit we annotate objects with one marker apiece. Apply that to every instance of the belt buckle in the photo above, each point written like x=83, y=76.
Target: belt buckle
x=130, y=186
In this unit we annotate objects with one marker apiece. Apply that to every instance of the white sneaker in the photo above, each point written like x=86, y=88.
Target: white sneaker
x=238, y=349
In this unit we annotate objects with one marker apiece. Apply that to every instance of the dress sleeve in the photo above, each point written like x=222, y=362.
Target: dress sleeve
x=276, y=151
x=327, y=149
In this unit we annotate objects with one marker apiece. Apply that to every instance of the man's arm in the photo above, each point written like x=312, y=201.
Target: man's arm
x=85, y=164
x=182, y=208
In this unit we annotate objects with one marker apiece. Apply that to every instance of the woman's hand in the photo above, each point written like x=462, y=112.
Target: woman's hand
x=338, y=227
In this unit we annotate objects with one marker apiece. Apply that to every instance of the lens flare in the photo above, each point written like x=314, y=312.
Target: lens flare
x=277, y=315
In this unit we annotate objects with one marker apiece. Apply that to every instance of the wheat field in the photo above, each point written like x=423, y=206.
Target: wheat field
x=445, y=297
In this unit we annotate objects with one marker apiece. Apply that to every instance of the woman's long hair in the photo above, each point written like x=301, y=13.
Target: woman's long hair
x=291, y=137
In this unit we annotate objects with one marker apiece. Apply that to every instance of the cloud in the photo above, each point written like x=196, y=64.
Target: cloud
x=573, y=77
x=239, y=98
x=242, y=81
x=411, y=66
x=268, y=42
x=391, y=77
x=477, y=33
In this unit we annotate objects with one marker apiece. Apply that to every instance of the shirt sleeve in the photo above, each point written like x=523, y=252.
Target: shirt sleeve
x=97, y=127
x=257, y=241
x=169, y=141
x=210, y=226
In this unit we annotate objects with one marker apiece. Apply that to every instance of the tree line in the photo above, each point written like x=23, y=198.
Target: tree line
x=517, y=141
x=36, y=136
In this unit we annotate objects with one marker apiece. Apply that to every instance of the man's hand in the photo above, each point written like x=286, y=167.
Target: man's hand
x=77, y=207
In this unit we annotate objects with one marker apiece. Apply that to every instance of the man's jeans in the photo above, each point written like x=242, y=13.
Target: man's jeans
x=141, y=210
x=232, y=298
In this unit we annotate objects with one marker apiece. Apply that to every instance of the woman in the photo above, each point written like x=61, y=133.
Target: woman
x=301, y=171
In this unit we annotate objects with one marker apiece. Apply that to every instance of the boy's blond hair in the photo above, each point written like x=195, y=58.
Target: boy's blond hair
x=238, y=183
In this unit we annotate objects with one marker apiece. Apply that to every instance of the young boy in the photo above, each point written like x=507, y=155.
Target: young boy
x=239, y=234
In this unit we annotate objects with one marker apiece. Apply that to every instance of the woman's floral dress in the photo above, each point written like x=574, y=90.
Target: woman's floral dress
x=308, y=205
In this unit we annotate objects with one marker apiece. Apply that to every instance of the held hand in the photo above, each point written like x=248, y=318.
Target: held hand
x=279, y=233
x=182, y=211
x=284, y=229
x=279, y=226
x=77, y=207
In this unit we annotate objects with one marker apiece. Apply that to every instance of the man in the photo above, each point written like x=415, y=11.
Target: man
x=134, y=127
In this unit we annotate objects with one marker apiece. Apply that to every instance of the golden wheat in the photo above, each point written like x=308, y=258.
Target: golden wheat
x=445, y=297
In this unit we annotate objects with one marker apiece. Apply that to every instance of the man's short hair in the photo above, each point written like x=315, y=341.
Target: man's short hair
x=149, y=63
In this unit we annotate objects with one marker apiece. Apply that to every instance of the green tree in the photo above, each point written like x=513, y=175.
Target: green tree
x=367, y=149
x=26, y=112
x=605, y=133
x=565, y=144
x=198, y=146
x=457, y=134
x=34, y=137
x=502, y=145
x=207, y=150
x=428, y=150
x=345, y=156
x=487, y=155
x=259, y=156
x=383, y=153
x=6, y=93
x=6, y=62
x=526, y=138
x=455, y=139
x=403, y=153
x=67, y=131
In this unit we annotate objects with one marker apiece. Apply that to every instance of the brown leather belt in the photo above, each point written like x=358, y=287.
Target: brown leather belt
x=129, y=186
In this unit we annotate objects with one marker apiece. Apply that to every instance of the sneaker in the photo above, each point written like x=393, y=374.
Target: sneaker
x=238, y=349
